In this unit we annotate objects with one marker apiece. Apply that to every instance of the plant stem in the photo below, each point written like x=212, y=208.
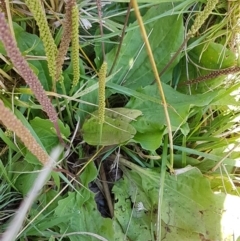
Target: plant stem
x=174, y=56
x=67, y=106
x=155, y=71
x=121, y=39
x=101, y=26
x=161, y=187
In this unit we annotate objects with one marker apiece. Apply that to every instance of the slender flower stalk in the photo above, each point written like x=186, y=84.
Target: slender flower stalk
x=24, y=70
x=15, y=125
x=66, y=38
x=75, y=45
x=45, y=34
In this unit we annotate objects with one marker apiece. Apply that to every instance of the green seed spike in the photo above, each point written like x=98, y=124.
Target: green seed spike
x=201, y=17
x=75, y=45
x=101, y=96
x=45, y=34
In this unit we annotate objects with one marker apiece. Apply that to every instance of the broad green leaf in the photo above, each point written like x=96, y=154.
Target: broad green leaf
x=165, y=37
x=56, y=179
x=150, y=140
x=206, y=58
x=189, y=206
x=84, y=218
x=25, y=176
x=89, y=174
x=123, y=114
x=24, y=182
x=45, y=129
x=46, y=200
x=46, y=132
x=213, y=56
x=179, y=109
x=139, y=223
x=44, y=224
x=174, y=233
x=118, y=233
x=91, y=97
x=114, y=131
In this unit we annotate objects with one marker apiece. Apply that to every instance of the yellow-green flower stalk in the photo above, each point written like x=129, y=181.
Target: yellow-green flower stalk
x=75, y=45
x=101, y=96
x=101, y=92
x=66, y=38
x=13, y=124
x=201, y=17
x=45, y=34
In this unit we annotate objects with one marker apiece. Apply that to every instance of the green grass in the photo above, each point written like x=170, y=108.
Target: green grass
x=152, y=170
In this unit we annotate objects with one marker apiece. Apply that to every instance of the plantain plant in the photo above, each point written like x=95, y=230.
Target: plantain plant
x=150, y=142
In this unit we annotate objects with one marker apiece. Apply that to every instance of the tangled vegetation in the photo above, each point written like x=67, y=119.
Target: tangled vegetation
x=119, y=120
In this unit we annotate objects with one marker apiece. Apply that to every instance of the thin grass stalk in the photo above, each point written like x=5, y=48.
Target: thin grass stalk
x=13, y=124
x=88, y=60
x=75, y=45
x=161, y=188
x=99, y=7
x=121, y=39
x=67, y=104
x=45, y=34
x=155, y=71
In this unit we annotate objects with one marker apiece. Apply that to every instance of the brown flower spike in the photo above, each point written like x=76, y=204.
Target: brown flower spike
x=15, y=125
x=66, y=38
x=24, y=70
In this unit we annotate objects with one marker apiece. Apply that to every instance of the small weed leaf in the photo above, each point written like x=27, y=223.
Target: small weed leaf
x=114, y=131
